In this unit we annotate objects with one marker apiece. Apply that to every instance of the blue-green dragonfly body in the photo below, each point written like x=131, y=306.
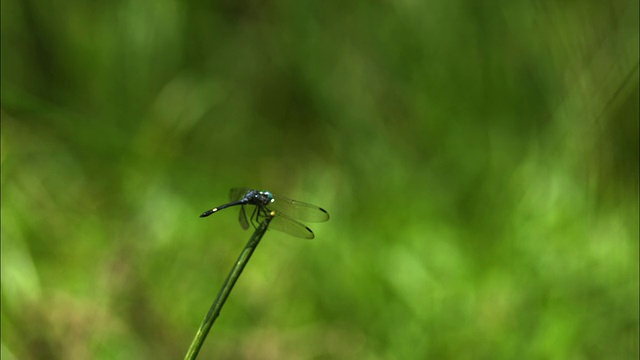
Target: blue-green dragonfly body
x=285, y=211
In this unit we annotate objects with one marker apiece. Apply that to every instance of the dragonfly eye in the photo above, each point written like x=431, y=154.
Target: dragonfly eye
x=265, y=197
x=268, y=195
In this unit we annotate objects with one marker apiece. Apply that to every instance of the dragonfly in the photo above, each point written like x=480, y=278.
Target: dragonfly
x=285, y=212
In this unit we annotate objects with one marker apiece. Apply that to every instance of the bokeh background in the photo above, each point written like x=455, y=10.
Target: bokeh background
x=479, y=161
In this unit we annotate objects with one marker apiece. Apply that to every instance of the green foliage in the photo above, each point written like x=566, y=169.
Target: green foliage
x=479, y=161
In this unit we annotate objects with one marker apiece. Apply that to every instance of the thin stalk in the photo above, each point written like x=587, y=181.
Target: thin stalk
x=214, y=311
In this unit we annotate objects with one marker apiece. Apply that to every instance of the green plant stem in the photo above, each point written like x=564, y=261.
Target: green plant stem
x=214, y=311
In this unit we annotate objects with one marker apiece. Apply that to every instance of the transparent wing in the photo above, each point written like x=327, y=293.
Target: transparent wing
x=287, y=225
x=236, y=194
x=242, y=217
x=297, y=209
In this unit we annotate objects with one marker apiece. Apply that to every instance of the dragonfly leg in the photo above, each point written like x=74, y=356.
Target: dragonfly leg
x=254, y=217
x=261, y=214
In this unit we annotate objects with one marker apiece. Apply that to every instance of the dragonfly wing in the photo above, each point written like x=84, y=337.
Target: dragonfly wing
x=298, y=209
x=242, y=217
x=287, y=225
x=236, y=194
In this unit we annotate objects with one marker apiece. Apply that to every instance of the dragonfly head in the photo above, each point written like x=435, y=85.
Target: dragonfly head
x=266, y=197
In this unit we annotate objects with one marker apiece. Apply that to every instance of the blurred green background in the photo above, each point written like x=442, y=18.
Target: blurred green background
x=479, y=161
